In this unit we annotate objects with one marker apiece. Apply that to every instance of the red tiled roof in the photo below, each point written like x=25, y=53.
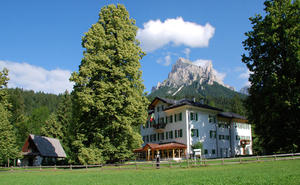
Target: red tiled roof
x=154, y=146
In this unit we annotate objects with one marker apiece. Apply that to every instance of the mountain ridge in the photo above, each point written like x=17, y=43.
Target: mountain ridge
x=191, y=80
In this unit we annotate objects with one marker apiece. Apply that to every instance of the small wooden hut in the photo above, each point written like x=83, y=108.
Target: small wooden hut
x=39, y=148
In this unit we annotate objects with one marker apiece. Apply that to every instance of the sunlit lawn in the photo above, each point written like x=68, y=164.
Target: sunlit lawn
x=275, y=172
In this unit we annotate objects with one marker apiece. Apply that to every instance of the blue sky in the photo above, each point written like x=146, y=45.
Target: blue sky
x=40, y=41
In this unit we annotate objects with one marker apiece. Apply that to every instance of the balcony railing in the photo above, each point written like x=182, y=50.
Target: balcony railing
x=160, y=125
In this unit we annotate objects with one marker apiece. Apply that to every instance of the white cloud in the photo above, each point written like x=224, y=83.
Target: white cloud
x=156, y=34
x=220, y=76
x=202, y=63
x=187, y=52
x=36, y=78
x=166, y=61
x=245, y=74
x=247, y=83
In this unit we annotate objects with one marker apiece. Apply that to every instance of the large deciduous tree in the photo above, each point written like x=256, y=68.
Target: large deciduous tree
x=108, y=92
x=273, y=58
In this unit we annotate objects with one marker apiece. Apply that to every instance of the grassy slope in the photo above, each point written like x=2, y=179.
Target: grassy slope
x=278, y=172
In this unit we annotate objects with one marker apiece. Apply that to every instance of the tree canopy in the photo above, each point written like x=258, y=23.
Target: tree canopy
x=108, y=92
x=273, y=58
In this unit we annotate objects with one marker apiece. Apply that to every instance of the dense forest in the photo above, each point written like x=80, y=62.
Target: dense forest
x=30, y=110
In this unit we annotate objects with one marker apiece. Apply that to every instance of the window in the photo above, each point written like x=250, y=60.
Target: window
x=227, y=137
x=180, y=116
x=171, y=134
x=180, y=133
x=161, y=120
x=237, y=137
x=144, y=139
x=167, y=135
x=147, y=124
x=223, y=125
x=213, y=151
x=154, y=137
x=175, y=117
x=176, y=134
x=221, y=137
x=212, y=134
x=205, y=151
x=147, y=138
x=196, y=116
x=171, y=119
x=157, y=136
x=167, y=119
x=162, y=136
x=215, y=119
x=194, y=133
x=191, y=116
x=162, y=107
x=157, y=109
x=210, y=118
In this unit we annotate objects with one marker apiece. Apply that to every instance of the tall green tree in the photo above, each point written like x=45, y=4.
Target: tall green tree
x=7, y=135
x=52, y=128
x=3, y=88
x=64, y=118
x=9, y=149
x=36, y=120
x=108, y=92
x=273, y=58
x=237, y=105
x=18, y=118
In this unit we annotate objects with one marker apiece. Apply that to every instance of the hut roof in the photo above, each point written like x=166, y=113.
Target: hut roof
x=47, y=147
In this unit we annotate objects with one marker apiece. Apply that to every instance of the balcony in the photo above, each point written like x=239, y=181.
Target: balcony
x=159, y=127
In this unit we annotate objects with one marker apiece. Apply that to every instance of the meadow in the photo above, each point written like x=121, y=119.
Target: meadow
x=271, y=172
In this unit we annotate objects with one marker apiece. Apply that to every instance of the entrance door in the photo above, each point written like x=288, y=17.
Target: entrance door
x=30, y=161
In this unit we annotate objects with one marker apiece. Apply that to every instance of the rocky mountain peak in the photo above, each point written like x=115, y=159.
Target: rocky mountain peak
x=185, y=72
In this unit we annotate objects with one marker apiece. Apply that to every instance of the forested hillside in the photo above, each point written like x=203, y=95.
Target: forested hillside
x=30, y=110
x=215, y=95
x=28, y=101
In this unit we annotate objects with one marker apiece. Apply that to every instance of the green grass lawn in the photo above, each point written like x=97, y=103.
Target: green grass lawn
x=277, y=172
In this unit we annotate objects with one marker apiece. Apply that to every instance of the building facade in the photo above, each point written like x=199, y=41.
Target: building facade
x=222, y=134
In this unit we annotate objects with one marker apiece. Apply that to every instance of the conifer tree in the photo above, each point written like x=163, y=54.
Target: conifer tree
x=8, y=147
x=108, y=93
x=52, y=128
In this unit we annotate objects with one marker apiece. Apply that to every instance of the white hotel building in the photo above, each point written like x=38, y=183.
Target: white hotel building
x=177, y=125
